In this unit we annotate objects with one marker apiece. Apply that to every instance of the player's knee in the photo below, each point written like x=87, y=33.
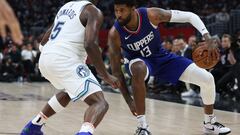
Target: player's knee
x=98, y=102
x=63, y=98
x=103, y=105
x=207, y=79
x=208, y=92
x=139, y=70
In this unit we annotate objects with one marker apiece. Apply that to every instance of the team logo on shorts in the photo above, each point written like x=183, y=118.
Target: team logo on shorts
x=83, y=71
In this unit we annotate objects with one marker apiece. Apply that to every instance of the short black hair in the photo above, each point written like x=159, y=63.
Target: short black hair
x=129, y=3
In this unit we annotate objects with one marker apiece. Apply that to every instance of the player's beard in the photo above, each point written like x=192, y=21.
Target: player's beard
x=125, y=21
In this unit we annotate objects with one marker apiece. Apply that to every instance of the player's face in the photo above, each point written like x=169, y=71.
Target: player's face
x=123, y=14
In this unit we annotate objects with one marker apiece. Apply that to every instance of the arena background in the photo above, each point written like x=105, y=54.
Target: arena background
x=220, y=16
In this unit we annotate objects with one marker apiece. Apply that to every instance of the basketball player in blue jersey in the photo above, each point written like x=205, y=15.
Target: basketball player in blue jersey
x=135, y=37
x=73, y=36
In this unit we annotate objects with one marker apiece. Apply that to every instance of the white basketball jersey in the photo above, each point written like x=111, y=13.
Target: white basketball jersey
x=67, y=36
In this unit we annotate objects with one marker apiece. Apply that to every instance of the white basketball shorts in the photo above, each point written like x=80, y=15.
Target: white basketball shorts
x=68, y=73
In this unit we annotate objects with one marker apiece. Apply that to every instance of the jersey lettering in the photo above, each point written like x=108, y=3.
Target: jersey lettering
x=141, y=43
x=69, y=12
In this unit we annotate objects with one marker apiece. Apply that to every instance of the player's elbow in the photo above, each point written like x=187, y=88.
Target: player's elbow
x=190, y=16
x=183, y=16
x=193, y=17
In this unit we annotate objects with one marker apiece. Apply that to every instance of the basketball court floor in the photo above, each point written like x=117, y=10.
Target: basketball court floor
x=20, y=102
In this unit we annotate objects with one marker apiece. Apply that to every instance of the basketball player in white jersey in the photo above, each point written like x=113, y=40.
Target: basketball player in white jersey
x=66, y=45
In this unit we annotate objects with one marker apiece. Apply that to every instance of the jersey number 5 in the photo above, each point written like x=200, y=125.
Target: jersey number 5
x=56, y=30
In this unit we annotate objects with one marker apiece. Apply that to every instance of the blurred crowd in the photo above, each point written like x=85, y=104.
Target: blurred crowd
x=20, y=63
x=36, y=15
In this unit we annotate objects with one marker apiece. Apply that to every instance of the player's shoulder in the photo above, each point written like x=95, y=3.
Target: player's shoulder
x=151, y=11
x=145, y=9
x=92, y=9
x=91, y=12
x=82, y=2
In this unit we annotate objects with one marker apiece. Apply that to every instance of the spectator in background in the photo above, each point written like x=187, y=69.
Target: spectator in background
x=223, y=73
x=222, y=16
x=42, y=12
x=8, y=72
x=168, y=44
x=236, y=48
x=192, y=41
x=15, y=56
x=236, y=68
x=185, y=50
x=180, y=47
x=176, y=47
x=1, y=58
x=28, y=56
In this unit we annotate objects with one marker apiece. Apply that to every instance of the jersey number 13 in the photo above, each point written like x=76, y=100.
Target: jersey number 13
x=145, y=52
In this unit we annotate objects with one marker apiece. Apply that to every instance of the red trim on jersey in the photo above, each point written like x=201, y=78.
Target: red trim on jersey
x=139, y=25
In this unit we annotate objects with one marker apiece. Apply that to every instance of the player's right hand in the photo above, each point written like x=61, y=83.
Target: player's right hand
x=213, y=51
x=112, y=80
x=8, y=18
x=212, y=47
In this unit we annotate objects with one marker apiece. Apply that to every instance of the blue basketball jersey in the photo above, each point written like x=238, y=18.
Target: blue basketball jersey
x=145, y=43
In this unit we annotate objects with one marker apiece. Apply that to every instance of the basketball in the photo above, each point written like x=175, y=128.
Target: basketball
x=200, y=57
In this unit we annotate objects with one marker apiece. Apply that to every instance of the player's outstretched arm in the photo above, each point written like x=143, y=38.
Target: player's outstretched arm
x=115, y=56
x=92, y=18
x=158, y=15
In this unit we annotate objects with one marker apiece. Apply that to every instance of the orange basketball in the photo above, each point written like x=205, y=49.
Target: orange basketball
x=200, y=57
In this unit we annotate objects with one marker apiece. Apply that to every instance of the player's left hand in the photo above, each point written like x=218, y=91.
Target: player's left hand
x=112, y=80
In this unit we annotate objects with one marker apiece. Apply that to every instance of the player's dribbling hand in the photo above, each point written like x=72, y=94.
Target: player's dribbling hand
x=8, y=18
x=112, y=80
x=213, y=51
